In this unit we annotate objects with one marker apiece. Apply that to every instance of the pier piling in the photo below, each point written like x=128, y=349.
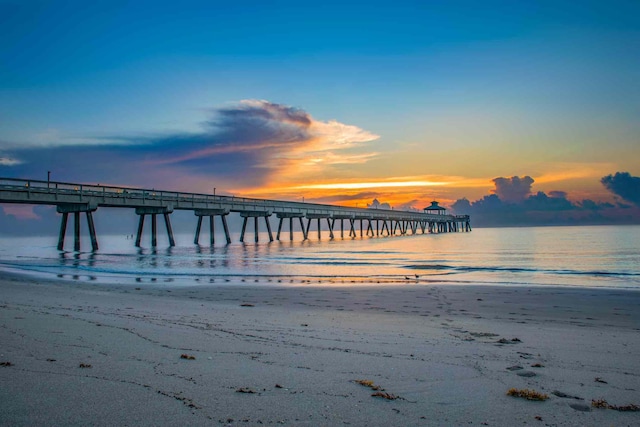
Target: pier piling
x=76, y=209
x=154, y=211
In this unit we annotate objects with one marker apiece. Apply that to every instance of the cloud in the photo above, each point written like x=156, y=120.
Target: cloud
x=541, y=208
x=247, y=144
x=558, y=194
x=624, y=185
x=513, y=189
x=409, y=206
x=375, y=204
x=6, y=161
x=340, y=198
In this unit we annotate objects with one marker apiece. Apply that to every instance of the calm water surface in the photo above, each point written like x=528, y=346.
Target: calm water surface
x=598, y=256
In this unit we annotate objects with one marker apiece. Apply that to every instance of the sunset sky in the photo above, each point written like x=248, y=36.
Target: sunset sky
x=336, y=102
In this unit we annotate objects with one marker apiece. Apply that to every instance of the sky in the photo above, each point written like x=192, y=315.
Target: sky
x=497, y=109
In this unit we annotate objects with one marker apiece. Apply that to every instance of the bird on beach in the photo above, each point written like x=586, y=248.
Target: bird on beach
x=417, y=277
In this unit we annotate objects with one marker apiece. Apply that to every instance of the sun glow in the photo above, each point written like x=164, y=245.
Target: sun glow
x=364, y=185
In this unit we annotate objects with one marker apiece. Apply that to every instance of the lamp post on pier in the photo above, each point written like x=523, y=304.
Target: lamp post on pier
x=48, y=178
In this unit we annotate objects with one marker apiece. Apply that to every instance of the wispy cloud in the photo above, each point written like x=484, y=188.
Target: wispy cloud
x=7, y=161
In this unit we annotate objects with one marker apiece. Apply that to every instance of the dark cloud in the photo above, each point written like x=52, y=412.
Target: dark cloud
x=542, y=202
x=513, y=189
x=540, y=208
x=242, y=145
x=558, y=194
x=591, y=205
x=624, y=185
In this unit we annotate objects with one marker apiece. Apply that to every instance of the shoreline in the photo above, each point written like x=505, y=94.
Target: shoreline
x=290, y=355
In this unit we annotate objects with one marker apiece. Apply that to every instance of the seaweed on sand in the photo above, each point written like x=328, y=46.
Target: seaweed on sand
x=527, y=394
x=603, y=404
x=368, y=383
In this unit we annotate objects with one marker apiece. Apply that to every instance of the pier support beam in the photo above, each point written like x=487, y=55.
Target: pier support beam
x=211, y=213
x=368, y=227
x=255, y=215
x=341, y=217
x=154, y=211
x=76, y=209
x=318, y=218
x=290, y=215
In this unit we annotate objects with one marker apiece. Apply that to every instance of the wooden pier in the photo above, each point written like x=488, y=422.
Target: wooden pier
x=73, y=198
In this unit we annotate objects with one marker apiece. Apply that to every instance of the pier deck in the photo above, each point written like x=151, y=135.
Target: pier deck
x=76, y=198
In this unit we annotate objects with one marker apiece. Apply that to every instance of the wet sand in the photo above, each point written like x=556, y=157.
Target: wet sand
x=80, y=354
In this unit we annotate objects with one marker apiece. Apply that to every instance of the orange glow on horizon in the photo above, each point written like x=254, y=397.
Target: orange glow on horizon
x=365, y=185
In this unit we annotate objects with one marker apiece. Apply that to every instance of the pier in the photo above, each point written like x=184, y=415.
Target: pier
x=76, y=199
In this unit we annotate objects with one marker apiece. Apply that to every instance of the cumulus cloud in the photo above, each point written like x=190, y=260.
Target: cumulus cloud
x=409, y=206
x=375, y=204
x=522, y=208
x=246, y=144
x=624, y=185
x=513, y=189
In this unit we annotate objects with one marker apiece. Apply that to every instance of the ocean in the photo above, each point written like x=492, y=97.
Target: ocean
x=586, y=256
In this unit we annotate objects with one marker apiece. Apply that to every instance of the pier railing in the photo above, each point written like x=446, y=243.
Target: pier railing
x=76, y=198
x=13, y=190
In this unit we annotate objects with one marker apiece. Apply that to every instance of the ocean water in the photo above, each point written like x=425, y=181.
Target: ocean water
x=594, y=256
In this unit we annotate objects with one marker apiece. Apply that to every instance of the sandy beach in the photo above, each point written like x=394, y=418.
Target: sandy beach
x=76, y=353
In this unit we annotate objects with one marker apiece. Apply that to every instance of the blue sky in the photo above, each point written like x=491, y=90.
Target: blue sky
x=447, y=94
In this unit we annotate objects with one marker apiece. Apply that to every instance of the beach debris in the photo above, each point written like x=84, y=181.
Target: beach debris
x=6, y=364
x=278, y=386
x=600, y=380
x=385, y=395
x=526, y=374
x=538, y=417
x=246, y=304
x=247, y=390
x=515, y=368
x=51, y=360
x=368, y=383
x=379, y=391
x=537, y=365
x=527, y=394
x=603, y=404
x=187, y=356
x=84, y=366
x=565, y=395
